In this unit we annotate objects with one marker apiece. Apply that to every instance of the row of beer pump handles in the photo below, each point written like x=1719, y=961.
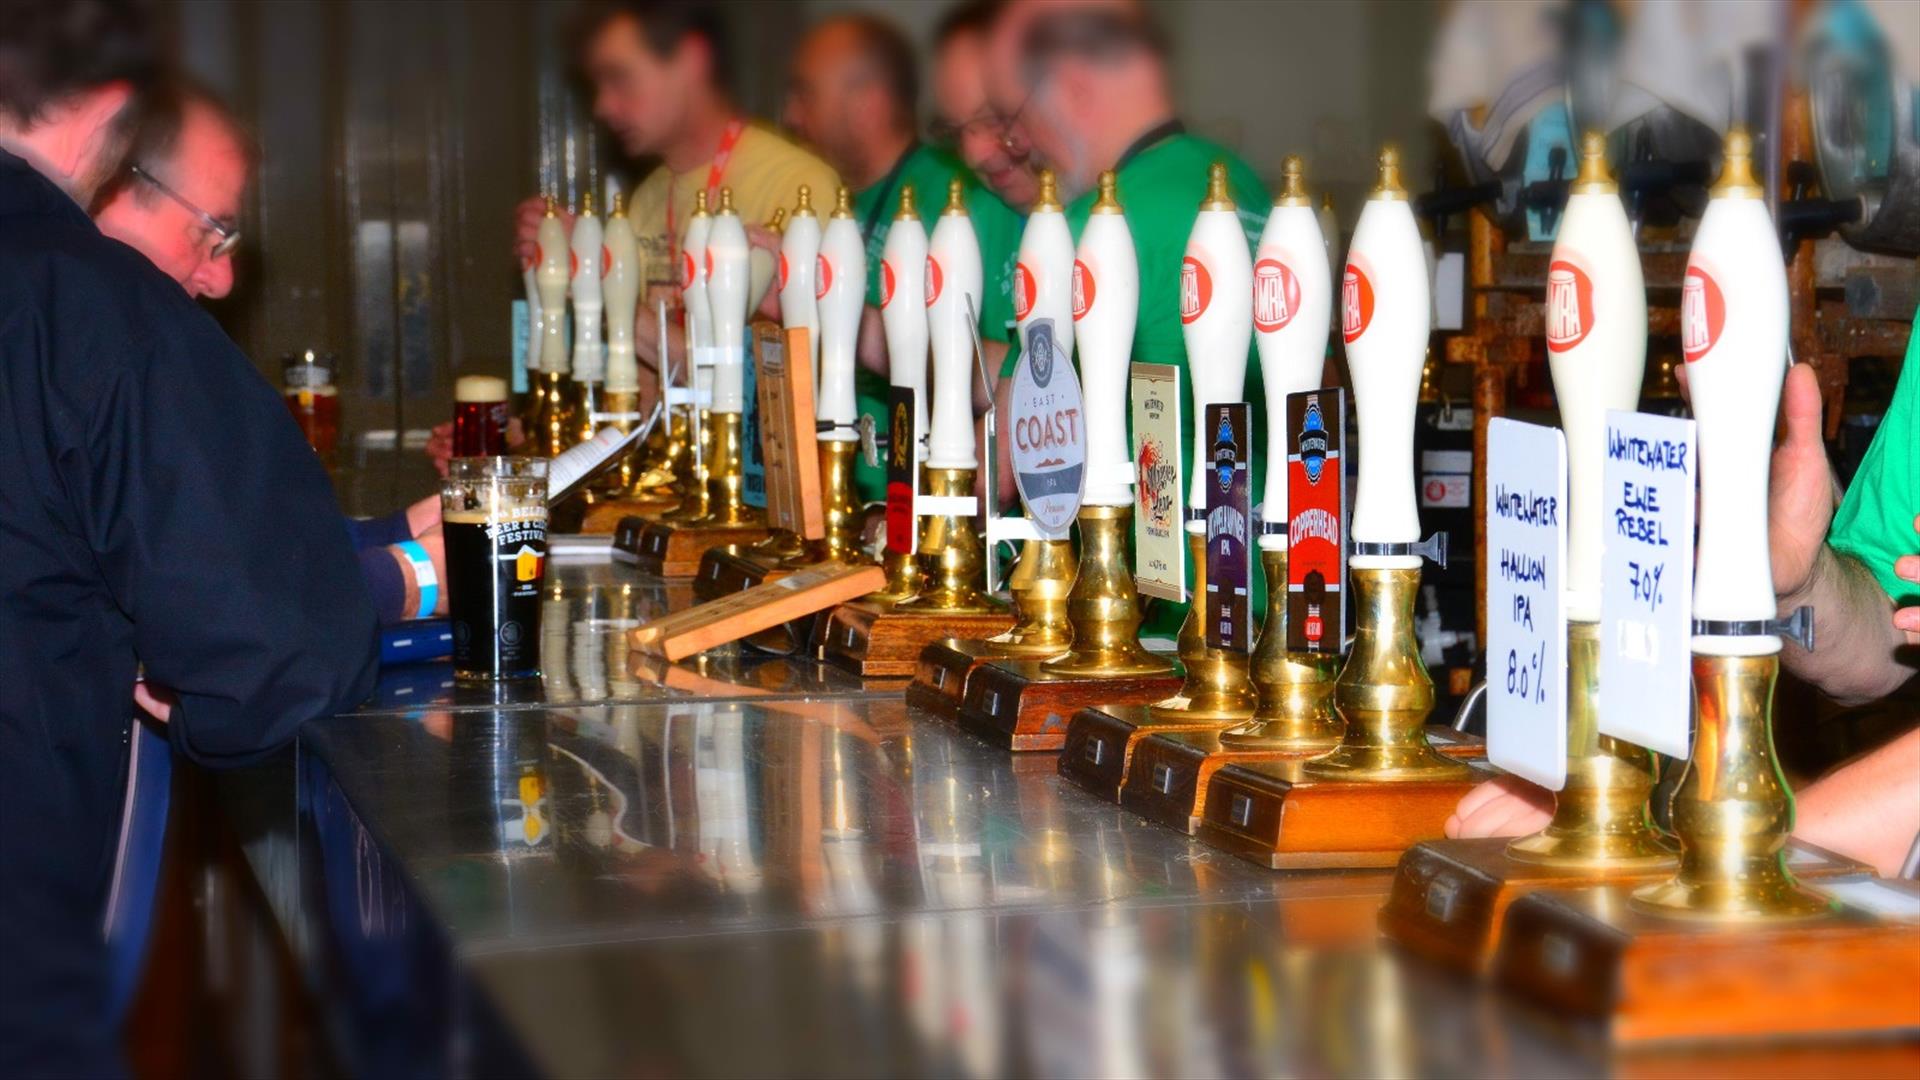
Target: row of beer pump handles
x=1279, y=295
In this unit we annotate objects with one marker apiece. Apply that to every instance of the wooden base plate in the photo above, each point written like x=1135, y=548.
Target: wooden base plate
x=1586, y=954
x=1450, y=897
x=1018, y=704
x=1274, y=814
x=671, y=549
x=1167, y=782
x=1102, y=739
x=731, y=568
x=870, y=638
x=941, y=674
x=605, y=517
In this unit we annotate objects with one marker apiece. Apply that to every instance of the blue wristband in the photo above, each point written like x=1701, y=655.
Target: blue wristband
x=423, y=576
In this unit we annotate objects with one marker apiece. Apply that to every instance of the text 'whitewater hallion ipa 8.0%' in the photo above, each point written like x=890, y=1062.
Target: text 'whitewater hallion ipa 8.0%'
x=494, y=518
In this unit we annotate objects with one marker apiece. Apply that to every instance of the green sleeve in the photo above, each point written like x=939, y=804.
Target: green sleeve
x=1875, y=522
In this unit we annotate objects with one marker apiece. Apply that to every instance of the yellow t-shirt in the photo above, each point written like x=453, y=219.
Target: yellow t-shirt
x=765, y=172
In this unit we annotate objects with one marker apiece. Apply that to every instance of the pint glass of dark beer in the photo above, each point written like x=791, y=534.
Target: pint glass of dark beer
x=479, y=416
x=493, y=512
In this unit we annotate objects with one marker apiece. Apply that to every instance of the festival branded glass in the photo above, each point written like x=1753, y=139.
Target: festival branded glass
x=493, y=513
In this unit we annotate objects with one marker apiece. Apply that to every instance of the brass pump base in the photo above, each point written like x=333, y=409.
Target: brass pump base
x=1295, y=690
x=1039, y=586
x=726, y=479
x=1103, y=607
x=841, y=513
x=1733, y=810
x=555, y=417
x=1384, y=693
x=650, y=478
x=952, y=558
x=1600, y=819
x=1219, y=685
x=692, y=479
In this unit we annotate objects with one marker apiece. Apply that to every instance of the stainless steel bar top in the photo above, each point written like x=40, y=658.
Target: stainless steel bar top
x=761, y=868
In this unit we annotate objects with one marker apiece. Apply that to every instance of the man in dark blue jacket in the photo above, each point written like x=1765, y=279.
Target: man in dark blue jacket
x=157, y=509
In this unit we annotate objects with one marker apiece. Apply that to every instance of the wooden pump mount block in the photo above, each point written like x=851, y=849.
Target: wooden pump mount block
x=606, y=517
x=941, y=675
x=1450, y=897
x=673, y=549
x=732, y=568
x=1275, y=814
x=1020, y=705
x=869, y=638
x=683, y=633
x=1102, y=742
x=1585, y=953
x=1168, y=780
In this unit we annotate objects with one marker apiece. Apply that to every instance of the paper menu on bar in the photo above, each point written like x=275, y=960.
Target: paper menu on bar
x=1526, y=607
x=1646, y=581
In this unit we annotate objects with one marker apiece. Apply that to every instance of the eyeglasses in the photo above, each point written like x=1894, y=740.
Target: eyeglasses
x=229, y=237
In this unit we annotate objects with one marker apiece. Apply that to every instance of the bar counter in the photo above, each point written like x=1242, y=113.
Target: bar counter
x=740, y=866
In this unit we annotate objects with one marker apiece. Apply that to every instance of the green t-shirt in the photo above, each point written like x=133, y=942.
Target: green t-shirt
x=930, y=169
x=1875, y=521
x=1161, y=189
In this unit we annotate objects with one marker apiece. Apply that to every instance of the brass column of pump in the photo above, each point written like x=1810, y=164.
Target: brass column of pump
x=693, y=476
x=1600, y=817
x=838, y=505
x=1733, y=810
x=1294, y=690
x=726, y=473
x=1043, y=578
x=952, y=558
x=1218, y=683
x=1384, y=694
x=1102, y=606
x=904, y=577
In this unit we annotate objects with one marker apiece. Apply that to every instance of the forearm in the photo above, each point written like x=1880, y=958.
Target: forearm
x=1867, y=809
x=1856, y=647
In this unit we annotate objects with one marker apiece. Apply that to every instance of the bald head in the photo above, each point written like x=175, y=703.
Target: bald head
x=852, y=93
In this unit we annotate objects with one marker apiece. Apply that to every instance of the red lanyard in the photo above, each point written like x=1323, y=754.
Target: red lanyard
x=715, y=172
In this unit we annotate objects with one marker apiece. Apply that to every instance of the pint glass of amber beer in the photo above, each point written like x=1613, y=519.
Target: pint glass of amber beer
x=307, y=384
x=493, y=512
x=479, y=416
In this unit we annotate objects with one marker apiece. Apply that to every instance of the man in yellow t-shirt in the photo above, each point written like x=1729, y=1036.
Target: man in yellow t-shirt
x=659, y=72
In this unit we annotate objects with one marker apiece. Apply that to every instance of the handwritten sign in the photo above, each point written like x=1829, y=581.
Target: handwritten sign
x=1526, y=612
x=1646, y=581
x=1316, y=522
x=1229, y=609
x=1159, y=528
x=1049, y=433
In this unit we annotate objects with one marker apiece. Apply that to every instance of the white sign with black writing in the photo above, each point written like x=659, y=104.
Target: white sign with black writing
x=1646, y=581
x=1049, y=434
x=1526, y=609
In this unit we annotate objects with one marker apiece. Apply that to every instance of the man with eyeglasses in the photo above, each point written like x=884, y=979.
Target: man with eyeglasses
x=156, y=508
x=1084, y=87
x=852, y=93
x=965, y=120
x=178, y=202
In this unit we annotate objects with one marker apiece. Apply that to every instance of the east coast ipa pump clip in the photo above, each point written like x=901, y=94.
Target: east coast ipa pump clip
x=1216, y=316
x=1043, y=310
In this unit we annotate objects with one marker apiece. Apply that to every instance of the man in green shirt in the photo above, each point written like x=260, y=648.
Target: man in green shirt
x=1086, y=88
x=852, y=94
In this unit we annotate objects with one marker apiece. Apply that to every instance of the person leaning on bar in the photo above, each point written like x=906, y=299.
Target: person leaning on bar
x=177, y=201
x=157, y=508
x=1856, y=561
